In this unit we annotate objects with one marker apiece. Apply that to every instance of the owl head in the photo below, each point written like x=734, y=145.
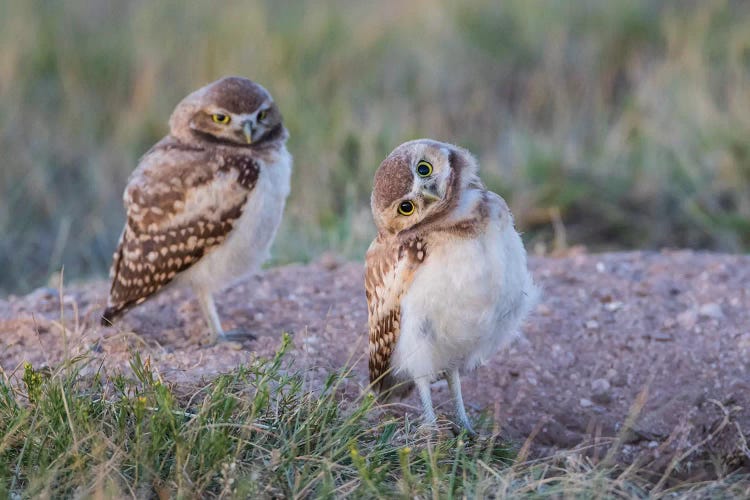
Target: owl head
x=233, y=111
x=420, y=182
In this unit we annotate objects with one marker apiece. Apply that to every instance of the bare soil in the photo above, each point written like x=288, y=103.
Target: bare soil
x=664, y=336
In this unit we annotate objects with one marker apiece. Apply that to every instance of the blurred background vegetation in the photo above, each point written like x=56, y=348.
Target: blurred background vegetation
x=618, y=124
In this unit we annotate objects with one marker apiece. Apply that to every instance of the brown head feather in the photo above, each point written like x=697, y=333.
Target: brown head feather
x=393, y=180
x=236, y=94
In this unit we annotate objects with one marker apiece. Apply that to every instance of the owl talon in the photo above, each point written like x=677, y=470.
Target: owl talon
x=236, y=335
x=428, y=429
x=436, y=432
x=469, y=431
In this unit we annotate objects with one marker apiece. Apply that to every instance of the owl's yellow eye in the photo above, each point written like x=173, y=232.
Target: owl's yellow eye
x=262, y=115
x=406, y=208
x=219, y=118
x=424, y=168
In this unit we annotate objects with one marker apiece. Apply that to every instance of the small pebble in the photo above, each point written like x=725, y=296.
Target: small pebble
x=711, y=310
x=687, y=319
x=600, y=385
x=543, y=309
x=585, y=403
x=600, y=391
x=613, y=306
x=235, y=346
x=662, y=336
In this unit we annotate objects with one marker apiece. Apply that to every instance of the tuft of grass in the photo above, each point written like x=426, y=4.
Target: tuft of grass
x=624, y=123
x=258, y=432
x=249, y=433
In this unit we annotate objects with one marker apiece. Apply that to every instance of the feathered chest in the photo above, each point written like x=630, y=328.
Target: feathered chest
x=264, y=176
x=246, y=168
x=268, y=182
x=249, y=242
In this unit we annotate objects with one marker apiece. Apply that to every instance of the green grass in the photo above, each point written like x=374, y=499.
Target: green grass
x=258, y=432
x=628, y=118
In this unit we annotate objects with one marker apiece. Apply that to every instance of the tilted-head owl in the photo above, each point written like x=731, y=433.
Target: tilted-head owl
x=204, y=203
x=446, y=277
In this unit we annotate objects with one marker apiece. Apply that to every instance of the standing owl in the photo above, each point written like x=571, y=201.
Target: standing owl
x=446, y=277
x=204, y=203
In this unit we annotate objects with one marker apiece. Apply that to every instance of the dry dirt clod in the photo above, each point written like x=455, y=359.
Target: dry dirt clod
x=600, y=391
x=711, y=310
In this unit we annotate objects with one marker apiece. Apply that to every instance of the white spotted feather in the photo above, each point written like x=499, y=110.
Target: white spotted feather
x=249, y=243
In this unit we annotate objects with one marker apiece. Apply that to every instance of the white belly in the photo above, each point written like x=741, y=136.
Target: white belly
x=466, y=301
x=248, y=245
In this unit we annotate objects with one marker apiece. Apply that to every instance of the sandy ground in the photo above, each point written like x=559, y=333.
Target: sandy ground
x=665, y=334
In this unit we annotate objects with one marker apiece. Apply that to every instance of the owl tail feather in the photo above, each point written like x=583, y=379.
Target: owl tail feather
x=111, y=313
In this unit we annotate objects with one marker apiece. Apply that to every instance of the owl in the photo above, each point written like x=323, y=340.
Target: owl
x=446, y=278
x=204, y=203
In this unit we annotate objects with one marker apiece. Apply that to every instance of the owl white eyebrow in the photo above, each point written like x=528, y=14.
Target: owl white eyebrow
x=265, y=106
x=245, y=116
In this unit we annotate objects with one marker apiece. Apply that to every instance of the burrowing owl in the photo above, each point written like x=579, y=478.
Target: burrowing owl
x=204, y=203
x=446, y=277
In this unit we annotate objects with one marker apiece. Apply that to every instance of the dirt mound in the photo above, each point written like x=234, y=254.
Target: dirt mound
x=663, y=335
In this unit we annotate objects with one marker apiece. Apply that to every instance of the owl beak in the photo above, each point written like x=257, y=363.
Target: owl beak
x=430, y=194
x=247, y=129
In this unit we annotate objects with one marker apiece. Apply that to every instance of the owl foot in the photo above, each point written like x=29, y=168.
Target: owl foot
x=470, y=432
x=428, y=429
x=435, y=432
x=236, y=335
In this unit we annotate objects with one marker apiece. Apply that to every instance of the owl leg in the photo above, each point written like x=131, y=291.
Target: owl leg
x=212, y=317
x=214, y=323
x=454, y=384
x=423, y=386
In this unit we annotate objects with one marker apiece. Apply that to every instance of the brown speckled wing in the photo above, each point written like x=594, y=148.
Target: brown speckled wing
x=389, y=270
x=181, y=202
